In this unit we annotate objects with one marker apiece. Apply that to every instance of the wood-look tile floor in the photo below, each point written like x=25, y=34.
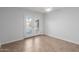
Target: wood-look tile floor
x=41, y=44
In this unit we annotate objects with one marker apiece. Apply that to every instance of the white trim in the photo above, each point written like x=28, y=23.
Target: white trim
x=15, y=40
x=64, y=39
x=11, y=41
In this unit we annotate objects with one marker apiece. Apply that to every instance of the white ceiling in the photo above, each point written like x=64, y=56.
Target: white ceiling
x=39, y=9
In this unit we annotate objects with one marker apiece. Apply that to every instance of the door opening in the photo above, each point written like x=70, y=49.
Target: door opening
x=31, y=26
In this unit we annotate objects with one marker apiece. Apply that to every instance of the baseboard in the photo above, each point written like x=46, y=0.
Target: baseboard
x=33, y=36
x=63, y=39
x=6, y=42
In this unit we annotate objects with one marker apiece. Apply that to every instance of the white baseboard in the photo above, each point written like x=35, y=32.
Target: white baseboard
x=33, y=35
x=63, y=39
x=5, y=42
x=40, y=34
x=11, y=41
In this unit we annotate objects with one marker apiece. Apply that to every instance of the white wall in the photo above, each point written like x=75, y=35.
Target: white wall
x=11, y=23
x=64, y=24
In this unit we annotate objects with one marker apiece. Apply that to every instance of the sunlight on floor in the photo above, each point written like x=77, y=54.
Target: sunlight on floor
x=32, y=44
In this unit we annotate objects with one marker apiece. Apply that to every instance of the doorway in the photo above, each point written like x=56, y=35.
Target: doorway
x=31, y=26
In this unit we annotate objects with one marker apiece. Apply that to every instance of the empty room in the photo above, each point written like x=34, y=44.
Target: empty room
x=39, y=29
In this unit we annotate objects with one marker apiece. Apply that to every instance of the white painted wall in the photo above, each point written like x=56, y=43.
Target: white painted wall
x=64, y=24
x=61, y=23
x=11, y=23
